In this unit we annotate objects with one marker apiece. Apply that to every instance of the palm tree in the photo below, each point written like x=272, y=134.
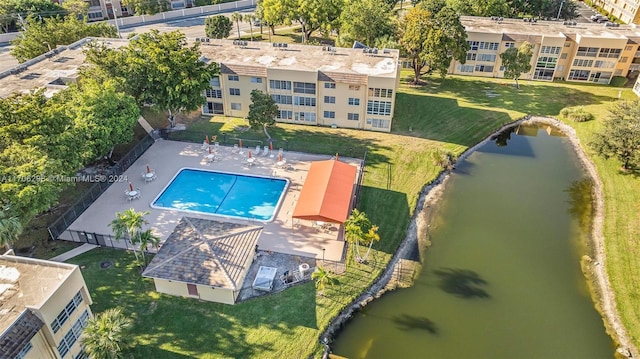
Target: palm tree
x=10, y=228
x=128, y=225
x=323, y=279
x=145, y=239
x=105, y=336
x=250, y=18
x=237, y=17
x=359, y=229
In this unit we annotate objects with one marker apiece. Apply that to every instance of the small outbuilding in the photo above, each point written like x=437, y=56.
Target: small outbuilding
x=204, y=259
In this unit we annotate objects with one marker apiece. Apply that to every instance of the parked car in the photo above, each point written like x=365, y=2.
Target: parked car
x=256, y=23
x=599, y=18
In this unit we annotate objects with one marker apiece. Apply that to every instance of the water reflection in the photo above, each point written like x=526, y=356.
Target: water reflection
x=462, y=283
x=581, y=201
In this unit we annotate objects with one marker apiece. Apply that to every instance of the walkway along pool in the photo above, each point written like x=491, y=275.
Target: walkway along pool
x=502, y=277
x=223, y=194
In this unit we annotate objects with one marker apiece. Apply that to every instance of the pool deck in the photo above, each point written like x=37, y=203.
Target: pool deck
x=283, y=235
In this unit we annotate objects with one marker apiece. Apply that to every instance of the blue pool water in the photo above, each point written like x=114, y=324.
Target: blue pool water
x=223, y=194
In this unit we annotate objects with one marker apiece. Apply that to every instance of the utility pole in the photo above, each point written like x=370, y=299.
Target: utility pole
x=115, y=16
x=560, y=10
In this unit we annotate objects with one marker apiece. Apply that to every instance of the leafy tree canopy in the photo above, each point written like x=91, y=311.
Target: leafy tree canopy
x=480, y=7
x=312, y=15
x=147, y=7
x=158, y=69
x=365, y=21
x=620, y=135
x=262, y=111
x=217, y=27
x=517, y=61
x=40, y=36
x=12, y=10
x=431, y=39
x=106, y=335
x=79, y=8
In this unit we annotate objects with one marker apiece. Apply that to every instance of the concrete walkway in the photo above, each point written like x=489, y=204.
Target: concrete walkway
x=74, y=252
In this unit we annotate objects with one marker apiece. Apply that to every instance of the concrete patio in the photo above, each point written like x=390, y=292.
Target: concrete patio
x=283, y=235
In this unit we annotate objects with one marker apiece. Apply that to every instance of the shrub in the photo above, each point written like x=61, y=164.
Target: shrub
x=576, y=114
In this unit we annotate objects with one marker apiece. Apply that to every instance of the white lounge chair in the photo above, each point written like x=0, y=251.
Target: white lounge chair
x=204, y=145
x=265, y=150
x=257, y=151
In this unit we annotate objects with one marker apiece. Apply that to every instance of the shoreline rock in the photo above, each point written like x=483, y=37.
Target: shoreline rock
x=603, y=297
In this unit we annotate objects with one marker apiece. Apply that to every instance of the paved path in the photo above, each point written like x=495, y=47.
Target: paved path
x=74, y=252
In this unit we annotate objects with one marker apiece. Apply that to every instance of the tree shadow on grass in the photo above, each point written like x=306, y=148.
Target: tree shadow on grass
x=462, y=283
x=412, y=322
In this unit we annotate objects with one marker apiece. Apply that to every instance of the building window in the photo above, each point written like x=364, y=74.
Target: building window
x=66, y=312
x=553, y=50
x=604, y=64
x=329, y=114
x=304, y=87
x=283, y=99
x=354, y=101
x=353, y=116
x=73, y=334
x=305, y=116
x=564, y=55
x=473, y=45
x=624, y=59
x=329, y=99
x=234, y=92
x=618, y=72
x=215, y=82
x=234, y=78
x=256, y=80
x=466, y=68
x=582, y=63
x=471, y=56
x=329, y=85
x=211, y=93
x=488, y=45
x=587, y=51
x=567, y=44
x=378, y=123
x=279, y=85
x=484, y=68
x=236, y=106
x=610, y=53
x=378, y=92
x=509, y=45
x=628, y=47
x=487, y=57
x=379, y=108
x=546, y=62
x=354, y=87
x=581, y=75
x=284, y=115
x=304, y=101
x=95, y=16
x=23, y=352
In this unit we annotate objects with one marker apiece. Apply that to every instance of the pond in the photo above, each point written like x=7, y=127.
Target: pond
x=502, y=277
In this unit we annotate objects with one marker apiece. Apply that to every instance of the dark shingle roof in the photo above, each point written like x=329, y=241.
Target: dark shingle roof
x=243, y=70
x=205, y=252
x=342, y=77
x=19, y=334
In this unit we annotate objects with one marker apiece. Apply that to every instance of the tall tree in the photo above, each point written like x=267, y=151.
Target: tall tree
x=620, y=135
x=10, y=228
x=323, y=278
x=158, y=69
x=107, y=335
x=312, y=15
x=250, y=18
x=146, y=239
x=262, y=111
x=40, y=36
x=365, y=21
x=128, y=225
x=78, y=8
x=359, y=229
x=432, y=40
x=480, y=7
x=217, y=27
x=237, y=17
x=517, y=61
x=12, y=12
x=274, y=12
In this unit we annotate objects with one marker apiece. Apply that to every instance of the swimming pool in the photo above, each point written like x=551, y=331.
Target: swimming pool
x=223, y=194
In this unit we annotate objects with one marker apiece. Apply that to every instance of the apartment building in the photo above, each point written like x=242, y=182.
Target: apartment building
x=108, y=9
x=628, y=11
x=44, y=306
x=312, y=85
x=561, y=50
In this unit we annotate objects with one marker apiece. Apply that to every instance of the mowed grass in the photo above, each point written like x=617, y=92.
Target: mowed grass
x=453, y=115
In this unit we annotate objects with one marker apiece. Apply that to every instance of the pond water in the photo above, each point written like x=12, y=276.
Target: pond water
x=502, y=277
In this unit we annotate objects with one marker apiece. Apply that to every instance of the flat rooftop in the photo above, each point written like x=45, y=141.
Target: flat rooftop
x=548, y=28
x=27, y=282
x=303, y=58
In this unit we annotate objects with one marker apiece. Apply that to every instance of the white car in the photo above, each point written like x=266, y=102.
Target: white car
x=599, y=18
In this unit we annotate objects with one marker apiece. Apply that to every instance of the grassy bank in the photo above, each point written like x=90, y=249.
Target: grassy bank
x=450, y=115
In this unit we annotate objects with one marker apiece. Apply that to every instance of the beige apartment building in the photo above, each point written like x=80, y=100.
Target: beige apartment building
x=568, y=51
x=312, y=85
x=628, y=11
x=109, y=9
x=44, y=306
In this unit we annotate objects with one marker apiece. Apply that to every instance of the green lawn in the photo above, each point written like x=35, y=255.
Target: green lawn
x=450, y=115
